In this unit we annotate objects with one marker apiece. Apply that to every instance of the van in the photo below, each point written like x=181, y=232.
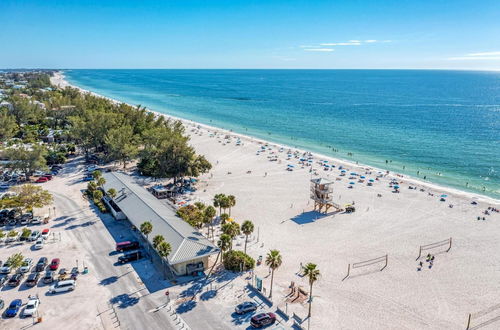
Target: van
x=63, y=286
x=127, y=246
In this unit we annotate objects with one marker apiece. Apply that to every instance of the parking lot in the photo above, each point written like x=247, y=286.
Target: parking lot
x=111, y=295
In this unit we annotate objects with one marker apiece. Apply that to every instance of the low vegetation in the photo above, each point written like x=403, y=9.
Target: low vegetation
x=238, y=261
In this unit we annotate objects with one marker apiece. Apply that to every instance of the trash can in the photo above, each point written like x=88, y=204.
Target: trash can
x=39, y=319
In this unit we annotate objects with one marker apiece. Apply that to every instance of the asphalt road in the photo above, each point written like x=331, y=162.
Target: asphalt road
x=133, y=303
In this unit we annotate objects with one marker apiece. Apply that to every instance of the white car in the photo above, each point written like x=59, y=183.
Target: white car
x=63, y=286
x=9, y=239
x=38, y=244
x=5, y=269
x=31, y=307
x=27, y=264
x=36, y=220
x=35, y=234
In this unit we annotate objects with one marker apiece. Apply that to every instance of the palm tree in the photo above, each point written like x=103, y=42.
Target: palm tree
x=157, y=240
x=112, y=192
x=273, y=260
x=232, y=229
x=218, y=198
x=231, y=202
x=224, y=243
x=225, y=203
x=146, y=229
x=208, y=216
x=313, y=274
x=223, y=218
x=101, y=181
x=97, y=174
x=247, y=228
x=164, y=249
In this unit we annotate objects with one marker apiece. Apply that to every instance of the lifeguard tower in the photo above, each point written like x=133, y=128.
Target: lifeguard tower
x=321, y=194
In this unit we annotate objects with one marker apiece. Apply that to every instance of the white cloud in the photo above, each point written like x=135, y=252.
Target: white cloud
x=354, y=41
x=483, y=56
x=474, y=58
x=370, y=41
x=387, y=41
x=319, y=49
x=341, y=44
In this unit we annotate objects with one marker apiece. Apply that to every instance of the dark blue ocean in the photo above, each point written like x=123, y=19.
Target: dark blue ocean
x=445, y=125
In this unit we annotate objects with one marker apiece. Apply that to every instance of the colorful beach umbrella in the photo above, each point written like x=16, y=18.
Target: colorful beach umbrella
x=396, y=187
x=290, y=165
x=343, y=171
x=371, y=180
x=444, y=196
x=362, y=177
x=351, y=182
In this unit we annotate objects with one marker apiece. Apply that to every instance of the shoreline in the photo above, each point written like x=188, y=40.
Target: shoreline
x=59, y=80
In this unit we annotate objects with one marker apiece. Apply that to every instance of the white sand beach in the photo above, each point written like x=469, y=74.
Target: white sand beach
x=462, y=281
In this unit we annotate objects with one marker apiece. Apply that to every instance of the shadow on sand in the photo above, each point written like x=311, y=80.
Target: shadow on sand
x=309, y=217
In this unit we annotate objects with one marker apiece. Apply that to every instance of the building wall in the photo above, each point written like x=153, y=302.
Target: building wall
x=180, y=269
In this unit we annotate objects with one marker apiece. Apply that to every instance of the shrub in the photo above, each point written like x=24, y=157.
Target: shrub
x=26, y=233
x=238, y=260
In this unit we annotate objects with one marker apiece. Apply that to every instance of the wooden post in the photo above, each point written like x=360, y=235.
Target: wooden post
x=468, y=322
x=450, y=245
x=419, y=252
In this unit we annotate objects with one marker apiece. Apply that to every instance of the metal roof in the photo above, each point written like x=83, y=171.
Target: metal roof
x=321, y=181
x=139, y=205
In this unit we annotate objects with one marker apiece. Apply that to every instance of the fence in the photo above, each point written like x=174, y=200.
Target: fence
x=481, y=314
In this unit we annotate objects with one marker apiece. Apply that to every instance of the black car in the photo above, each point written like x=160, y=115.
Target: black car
x=15, y=280
x=130, y=256
x=33, y=279
x=262, y=320
x=41, y=264
x=48, y=277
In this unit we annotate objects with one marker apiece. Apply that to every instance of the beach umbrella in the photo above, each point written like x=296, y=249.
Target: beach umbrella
x=327, y=166
x=302, y=159
x=325, y=161
x=290, y=165
x=444, y=196
x=396, y=187
x=343, y=171
x=310, y=160
x=351, y=182
x=362, y=177
x=371, y=180
x=352, y=173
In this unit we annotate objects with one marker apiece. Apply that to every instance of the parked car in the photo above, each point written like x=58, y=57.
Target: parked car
x=54, y=264
x=48, y=176
x=26, y=266
x=42, y=179
x=4, y=186
x=14, y=238
x=12, y=222
x=31, y=307
x=41, y=264
x=88, y=178
x=35, y=234
x=13, y=308
x=127, y=246
x=130, y=256
x=6, y=268
x=3, y=280
x=38, y=244
x=36, y=220
x=26, y=218
x=247, y=306
x=262, y=320
x=33, y=279
x=56, y=167
x=49, y=277
x=63, y=286
x=2, y=304
x=45, y=233
x=16, y=279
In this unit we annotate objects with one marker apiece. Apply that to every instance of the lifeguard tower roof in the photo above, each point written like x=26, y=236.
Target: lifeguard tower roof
x=321, y=181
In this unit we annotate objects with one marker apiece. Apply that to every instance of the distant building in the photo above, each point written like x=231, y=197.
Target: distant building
x=6, y=104
x=190, y=249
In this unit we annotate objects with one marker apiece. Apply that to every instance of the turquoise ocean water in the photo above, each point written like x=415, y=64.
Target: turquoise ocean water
x=444, y=125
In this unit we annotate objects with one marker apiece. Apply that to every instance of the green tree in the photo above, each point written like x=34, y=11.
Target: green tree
x=224, y=243
x=157, y=240
x=27, y=197
x=231, y=202
x=8, y=125
x=232, y=229
x=223, y=218
x=146, y=228
x=247, y=228
x=164, y=249
x=312, y=273
x=112, y=192
x=15, y=261
x=122, y=144
x=273, y=261
x=97, y=175
x=208, y=216
x=218, y=198
x=101, y=181
x=97, y=195
x=26, y=160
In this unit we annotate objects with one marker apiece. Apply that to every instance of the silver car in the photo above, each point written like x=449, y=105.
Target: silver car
x=27, y=264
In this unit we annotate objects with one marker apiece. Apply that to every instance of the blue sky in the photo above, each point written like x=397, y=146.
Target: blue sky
x=452, y=34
